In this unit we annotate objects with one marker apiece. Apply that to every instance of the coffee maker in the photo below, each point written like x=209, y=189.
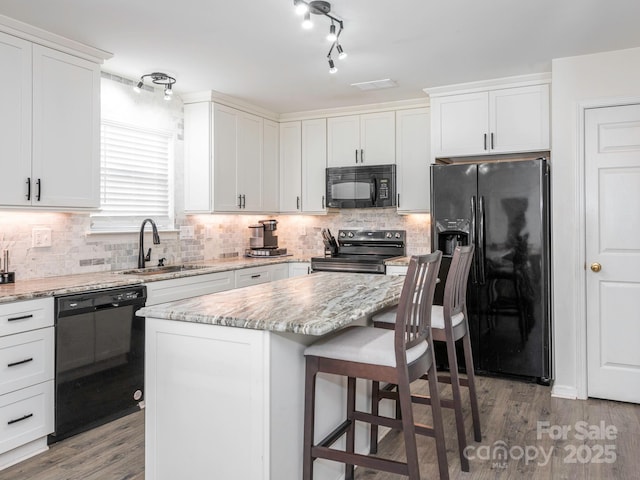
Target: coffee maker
x=263, y=240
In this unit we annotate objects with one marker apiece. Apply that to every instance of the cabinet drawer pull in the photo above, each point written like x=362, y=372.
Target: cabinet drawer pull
x=16, y=420
x=256, y=276
x=23, y=317
x=26, y=360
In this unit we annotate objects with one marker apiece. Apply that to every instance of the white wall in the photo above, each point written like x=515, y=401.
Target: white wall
x=576, y=81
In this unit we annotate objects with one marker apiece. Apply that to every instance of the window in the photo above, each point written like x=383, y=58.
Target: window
x=136, y=177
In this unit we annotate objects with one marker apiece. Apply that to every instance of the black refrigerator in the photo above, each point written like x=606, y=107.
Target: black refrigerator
x=503, y=209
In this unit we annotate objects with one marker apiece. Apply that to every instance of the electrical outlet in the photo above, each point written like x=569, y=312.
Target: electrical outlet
x=186, y=232
x=41, y=237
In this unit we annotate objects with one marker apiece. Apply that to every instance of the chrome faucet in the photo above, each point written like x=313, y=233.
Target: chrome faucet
x=156, y=240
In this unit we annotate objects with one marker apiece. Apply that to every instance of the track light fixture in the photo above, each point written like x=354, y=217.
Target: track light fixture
x=159, y=79
x=320, y=7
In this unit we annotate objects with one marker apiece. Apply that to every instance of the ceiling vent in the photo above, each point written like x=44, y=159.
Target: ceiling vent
x=375, y=84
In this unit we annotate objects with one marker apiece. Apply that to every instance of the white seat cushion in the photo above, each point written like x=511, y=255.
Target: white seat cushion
x=374, y=346
x=437, y=317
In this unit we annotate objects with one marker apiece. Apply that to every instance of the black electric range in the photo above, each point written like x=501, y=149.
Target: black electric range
x=361, y=251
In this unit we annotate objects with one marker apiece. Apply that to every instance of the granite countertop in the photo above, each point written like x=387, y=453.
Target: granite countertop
x=312, y=305
x=62, y=285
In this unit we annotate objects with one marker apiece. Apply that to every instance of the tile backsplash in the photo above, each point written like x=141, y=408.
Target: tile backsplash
x=73, y=250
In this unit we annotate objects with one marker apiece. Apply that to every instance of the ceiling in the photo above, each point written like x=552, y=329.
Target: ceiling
x=256, y=50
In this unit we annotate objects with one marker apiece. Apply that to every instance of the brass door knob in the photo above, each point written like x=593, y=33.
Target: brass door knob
x=596, y=267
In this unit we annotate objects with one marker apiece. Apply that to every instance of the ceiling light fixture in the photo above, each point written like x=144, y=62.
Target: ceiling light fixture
x=320, y=7
x=307, y=23
x=332, y=37
x=159, y=79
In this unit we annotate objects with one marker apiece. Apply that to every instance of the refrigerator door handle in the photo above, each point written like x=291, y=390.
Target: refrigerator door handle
x=481, y=257
x=472, y=234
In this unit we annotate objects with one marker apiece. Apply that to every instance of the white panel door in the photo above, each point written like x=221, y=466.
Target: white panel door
x=198, y=176
x=270, y=166
x=413, y=160
x=225, y=155
x=343, y=141
x=66, y=129
x=314, y=164
x=15, y=120
x=249, y=172
x=612, y=186
x=378, y=138
x=290, y=167
x=519, y=119
x=459, y=124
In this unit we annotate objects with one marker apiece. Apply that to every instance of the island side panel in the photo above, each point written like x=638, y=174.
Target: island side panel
x=206, y=402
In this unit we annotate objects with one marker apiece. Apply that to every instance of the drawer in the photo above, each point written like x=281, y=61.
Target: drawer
x=26, y=359
x=26, y=415
x=178, y=288
x=16, y=317
x=253, y=276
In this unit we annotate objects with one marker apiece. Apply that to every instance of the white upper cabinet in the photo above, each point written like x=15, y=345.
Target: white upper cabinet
x=314, y=164
x=367, y=139
x=270, y=166
x=290, y=167
x=66, y=130
x=15, y=120
x=303, y=160
x=229, y=167
x=49, y=127
x=493, y=121
x=413, y=151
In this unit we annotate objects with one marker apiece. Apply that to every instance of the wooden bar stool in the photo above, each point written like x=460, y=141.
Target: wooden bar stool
x=448, y=324
x=400, y=357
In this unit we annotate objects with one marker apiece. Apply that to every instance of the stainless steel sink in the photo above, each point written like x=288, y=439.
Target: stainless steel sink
x=161, y=270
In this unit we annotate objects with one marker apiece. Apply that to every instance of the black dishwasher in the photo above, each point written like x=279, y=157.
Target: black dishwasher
x=99, y=371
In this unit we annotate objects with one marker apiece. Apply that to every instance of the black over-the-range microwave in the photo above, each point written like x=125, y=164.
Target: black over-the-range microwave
x=361, y=187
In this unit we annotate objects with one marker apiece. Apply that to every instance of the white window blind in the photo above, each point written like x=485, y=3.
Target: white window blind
x=136, y=177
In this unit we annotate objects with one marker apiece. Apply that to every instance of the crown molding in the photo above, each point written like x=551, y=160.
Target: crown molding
x=492, y=84
x=57, y=42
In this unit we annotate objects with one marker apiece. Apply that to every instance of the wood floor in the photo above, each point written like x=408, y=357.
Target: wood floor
x=510, y=412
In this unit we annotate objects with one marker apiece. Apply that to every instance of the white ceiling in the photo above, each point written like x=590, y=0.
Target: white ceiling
x=256, y=50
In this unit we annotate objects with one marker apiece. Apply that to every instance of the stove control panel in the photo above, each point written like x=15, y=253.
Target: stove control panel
x=372, y=236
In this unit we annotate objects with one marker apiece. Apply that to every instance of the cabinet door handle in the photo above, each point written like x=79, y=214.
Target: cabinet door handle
x=29, y=188
x=297, y=203
x=16, y=420
x=485, y=141
x=323, y=201
x=26, y=360
x=39, y=184
x=398, y=201
x=492, y=141
x=356, y=155
x=244, y=201
x=239, y=201
x=22, y=317
x=361, y=155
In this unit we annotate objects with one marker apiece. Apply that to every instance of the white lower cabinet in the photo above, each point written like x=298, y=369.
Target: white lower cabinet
x=256, y=275
x=187, y=287
x=26, y=378
x=397, y=270
x=230, y=401
x=297, y=269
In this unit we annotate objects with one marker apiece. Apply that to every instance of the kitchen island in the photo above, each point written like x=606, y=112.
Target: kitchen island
x=224, y=376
